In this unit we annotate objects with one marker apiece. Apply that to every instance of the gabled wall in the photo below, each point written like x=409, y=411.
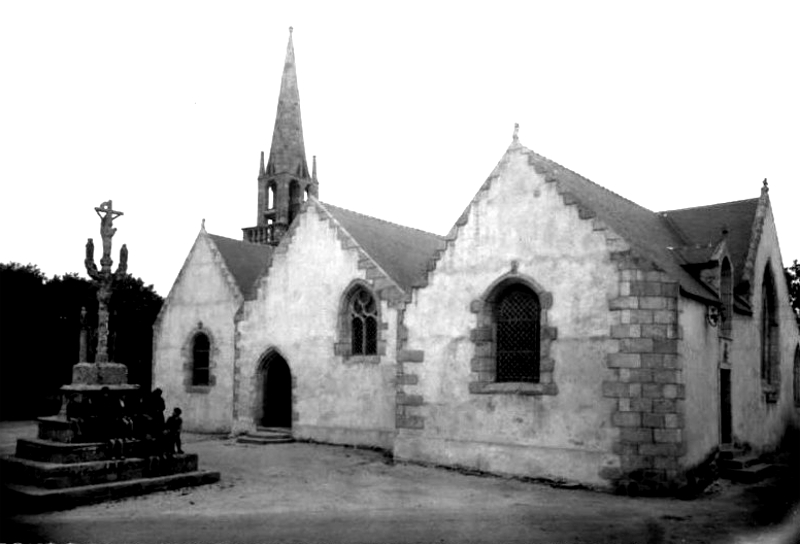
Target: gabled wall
x=203, y=298
x=336, y=399
x=518, y=225
x=755, y=420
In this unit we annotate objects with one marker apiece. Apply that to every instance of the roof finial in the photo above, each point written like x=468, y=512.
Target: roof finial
x=765, y=188
x=290, y=30
x=516, y=132
x=203, y=224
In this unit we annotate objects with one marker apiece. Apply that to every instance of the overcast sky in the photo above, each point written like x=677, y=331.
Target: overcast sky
x=164, y=107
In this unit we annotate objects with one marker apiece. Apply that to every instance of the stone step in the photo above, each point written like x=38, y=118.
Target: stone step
x=750, y=474
x=729, y=451
x=60, y=476
x=740, y=461
x=36, y=499
x=49, y=451
x=263, y=439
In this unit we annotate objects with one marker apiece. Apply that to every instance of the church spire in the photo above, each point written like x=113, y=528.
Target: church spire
x=288, y=154
x=284, y=183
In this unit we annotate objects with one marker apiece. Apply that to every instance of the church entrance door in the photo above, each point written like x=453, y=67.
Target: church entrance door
x=276, y=384
x=725, y=415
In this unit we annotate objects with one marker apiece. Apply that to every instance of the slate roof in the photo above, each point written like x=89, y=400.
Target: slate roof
x=402, y=252
x=646, y=231
x=245, y=261
x=703, y=225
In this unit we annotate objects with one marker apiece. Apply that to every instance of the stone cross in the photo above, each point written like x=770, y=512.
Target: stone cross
x=103, y=277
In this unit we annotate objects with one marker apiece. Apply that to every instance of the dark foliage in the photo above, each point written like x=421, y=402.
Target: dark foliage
x=793, y=281
x=40, y=328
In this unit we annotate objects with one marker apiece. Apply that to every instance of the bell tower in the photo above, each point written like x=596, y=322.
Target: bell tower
x=284, y=182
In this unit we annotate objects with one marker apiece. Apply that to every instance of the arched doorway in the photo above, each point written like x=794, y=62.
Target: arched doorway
x=275, y=392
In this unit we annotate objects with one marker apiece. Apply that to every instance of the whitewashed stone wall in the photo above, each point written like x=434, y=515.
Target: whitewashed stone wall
x=520, y=225
x=205, y=298
x=336, y=399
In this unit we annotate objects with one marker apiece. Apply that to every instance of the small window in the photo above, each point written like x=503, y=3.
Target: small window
x=271, y=196
x=516, y=325
x=770, y=349
x=797, y=376
x=200, y=360
x=363, y=323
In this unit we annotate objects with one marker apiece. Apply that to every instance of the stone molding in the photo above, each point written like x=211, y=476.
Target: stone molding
x=187, y=356
x=483, y=364
x=343, y=346
x=647, y=380
x=408, y=405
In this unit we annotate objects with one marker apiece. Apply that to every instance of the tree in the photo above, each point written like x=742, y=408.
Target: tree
x=22, y=331
x=793, y=281
x=40, y=327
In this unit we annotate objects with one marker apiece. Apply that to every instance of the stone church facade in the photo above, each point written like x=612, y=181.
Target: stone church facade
x=557, y=331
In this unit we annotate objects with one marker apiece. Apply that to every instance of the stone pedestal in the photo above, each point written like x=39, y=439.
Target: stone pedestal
x=62, y=468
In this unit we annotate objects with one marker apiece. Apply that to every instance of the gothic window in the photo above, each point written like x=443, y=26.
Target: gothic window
x=726, y=295
x=363, y=323
x=200, y=359
x=271, y=196
x=769, y=329
x=516, y=332
x=360, y=325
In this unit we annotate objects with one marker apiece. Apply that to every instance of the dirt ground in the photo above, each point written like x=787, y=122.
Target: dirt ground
x=317, y=493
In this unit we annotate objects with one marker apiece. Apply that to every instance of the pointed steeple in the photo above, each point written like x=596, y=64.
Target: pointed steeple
x=284, y=183
x=288, y=153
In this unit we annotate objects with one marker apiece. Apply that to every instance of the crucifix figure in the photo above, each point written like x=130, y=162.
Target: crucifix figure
x=104, y=277
x=107, y=229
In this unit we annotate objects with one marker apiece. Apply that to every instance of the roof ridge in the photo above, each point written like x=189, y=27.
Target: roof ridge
x=235, y=240
x=587, y=180
x=326, y=204
x=715, y=205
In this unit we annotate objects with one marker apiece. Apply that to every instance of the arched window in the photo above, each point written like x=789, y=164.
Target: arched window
x=516, y=332
x=726, y=295
x=295, y=199
x=797, y=376
x=769, y=328
x=363, y=323
x=270, y=196
x=201, y=348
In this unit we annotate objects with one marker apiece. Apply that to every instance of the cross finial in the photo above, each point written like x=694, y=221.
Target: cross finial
x=290, y=30
x=516, y=132
x=203, y=224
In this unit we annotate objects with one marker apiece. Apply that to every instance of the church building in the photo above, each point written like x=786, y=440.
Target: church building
x=557, y=331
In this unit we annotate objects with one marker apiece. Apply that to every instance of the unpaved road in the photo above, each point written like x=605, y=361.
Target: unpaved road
x=315, y=493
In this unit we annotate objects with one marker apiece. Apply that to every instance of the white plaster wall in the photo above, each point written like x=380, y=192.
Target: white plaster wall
x=568, y=435
x=699, y=354
x=755, y=421
x=201, y=293
x=296, y=313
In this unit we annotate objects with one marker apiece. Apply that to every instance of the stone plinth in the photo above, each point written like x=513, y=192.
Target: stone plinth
x=99, y=374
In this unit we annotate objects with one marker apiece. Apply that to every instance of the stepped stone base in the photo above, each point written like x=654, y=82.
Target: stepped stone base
x=58, y=470
x=264, y=436
x=61, y=476
x=37, y=499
